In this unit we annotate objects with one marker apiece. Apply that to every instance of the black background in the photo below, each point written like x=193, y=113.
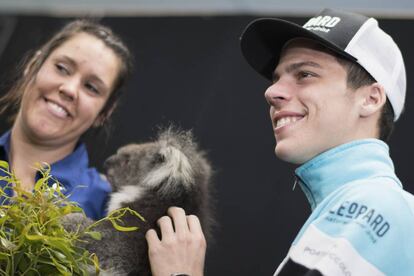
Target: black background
x=189, y=71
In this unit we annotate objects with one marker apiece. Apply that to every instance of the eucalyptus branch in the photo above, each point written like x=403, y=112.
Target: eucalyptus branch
x=33, y=240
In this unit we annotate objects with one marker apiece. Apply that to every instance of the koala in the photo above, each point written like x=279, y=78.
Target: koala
x=149, y=178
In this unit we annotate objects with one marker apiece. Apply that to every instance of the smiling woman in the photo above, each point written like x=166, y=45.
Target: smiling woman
x=71, y=84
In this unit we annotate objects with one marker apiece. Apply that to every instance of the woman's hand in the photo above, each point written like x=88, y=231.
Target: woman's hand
x=181, y=248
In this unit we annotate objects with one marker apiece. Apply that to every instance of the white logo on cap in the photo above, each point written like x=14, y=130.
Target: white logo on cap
x=322, y=23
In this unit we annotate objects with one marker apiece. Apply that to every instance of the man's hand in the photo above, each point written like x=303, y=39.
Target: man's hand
x=182, y=247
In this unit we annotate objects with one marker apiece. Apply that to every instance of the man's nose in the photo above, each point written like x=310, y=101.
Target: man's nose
x=278, y=93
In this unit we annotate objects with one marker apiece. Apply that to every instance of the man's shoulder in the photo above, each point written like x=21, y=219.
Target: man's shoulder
x=376, y=206
x=363, y=227
x=379, y=191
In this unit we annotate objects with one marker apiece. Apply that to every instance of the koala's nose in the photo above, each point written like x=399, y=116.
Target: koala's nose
x=109, y=162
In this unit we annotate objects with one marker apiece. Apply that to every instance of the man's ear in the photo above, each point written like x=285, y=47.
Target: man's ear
x=373, y=99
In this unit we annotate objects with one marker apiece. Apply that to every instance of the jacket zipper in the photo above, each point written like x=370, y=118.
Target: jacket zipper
x=306, y=190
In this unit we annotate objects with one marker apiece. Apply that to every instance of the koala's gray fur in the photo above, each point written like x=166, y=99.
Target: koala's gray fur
x=149, y=178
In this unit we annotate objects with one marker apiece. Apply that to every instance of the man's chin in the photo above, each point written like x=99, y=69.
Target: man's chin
x=290, y=156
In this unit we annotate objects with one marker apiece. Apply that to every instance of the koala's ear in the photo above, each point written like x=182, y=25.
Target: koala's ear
x=159, y=158
x=174, y=170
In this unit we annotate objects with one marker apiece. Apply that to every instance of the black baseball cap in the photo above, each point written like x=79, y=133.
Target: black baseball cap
x=353, y=36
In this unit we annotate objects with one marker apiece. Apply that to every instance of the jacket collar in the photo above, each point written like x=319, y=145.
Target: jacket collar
x=338, y=166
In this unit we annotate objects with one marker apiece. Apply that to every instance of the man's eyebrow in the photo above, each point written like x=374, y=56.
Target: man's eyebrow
x=294, y=66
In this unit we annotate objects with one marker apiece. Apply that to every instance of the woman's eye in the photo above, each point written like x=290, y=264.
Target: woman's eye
x=92, y=88
x=62, y=69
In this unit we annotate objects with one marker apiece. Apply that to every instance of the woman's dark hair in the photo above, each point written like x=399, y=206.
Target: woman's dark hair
x=10, y=102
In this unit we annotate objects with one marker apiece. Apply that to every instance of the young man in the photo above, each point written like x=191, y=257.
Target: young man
x=338, y=85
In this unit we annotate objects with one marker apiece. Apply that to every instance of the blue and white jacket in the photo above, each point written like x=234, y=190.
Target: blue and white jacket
x=362, y=221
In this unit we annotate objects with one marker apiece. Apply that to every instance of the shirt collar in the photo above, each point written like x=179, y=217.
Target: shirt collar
x=338, y=166
x=68, y=167
x=5, y=143
x=64, y=169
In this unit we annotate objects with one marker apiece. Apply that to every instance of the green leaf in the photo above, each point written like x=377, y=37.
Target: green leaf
x=62, y=269
x=39, y=184
x=94, y=235
x=4, y=255
x=95, y=261
x=123, y=228
x=4, y=165
x=47, y=269
x=35, y=237
x=67, y=209
x=60, y=256
x=6, y=244
x=63, y=245
x=23, y=263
